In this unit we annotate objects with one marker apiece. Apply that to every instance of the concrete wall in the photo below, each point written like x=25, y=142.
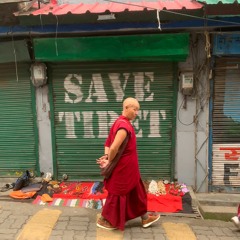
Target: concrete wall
x=192, y=136
x=44, y=128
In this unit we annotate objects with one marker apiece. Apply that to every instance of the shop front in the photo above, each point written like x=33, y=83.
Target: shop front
x=225, y=114
x=18, y=131
x=90, y=77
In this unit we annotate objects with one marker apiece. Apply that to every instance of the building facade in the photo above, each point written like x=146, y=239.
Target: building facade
x=93, y=57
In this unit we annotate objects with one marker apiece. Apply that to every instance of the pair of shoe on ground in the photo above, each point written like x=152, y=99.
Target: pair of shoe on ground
x=7, y=187
x=103, y=223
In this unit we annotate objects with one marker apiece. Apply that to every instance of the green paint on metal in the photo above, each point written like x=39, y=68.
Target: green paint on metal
x=212, y=2
x=87, y=98
x=14, y=51
x=155, y=47
x=17, y=133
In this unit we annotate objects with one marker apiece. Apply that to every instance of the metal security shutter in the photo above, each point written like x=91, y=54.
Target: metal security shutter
x=87, y=98
x=18, y=150
x=226, y=123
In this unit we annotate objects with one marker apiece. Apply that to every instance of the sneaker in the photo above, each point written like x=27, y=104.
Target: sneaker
x=150, y=220
x=236, y=221
x=103, y=223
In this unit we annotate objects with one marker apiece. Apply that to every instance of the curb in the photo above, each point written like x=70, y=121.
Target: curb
x=195, y=203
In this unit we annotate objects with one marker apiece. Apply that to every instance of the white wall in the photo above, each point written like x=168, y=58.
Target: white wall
x=44, y=130
x=192, y=138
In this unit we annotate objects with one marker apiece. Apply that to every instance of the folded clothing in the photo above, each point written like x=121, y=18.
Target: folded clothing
x=46, y=198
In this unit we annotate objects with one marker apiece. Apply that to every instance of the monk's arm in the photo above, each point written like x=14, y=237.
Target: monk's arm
x=118, y=140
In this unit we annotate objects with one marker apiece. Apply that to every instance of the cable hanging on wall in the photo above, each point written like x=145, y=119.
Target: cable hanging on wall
x=207, y=44
x=201, y=72
x=15, y=56
x=158, y=18
x=56, y=36
x=41, y=21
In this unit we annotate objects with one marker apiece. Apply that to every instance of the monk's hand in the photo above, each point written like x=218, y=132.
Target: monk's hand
x=103, y=161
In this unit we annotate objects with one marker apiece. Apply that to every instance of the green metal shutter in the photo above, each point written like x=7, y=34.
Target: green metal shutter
x=83, y=115
x=226, y=125
x=18, y=151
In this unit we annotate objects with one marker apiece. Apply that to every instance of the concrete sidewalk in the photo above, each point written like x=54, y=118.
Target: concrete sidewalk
x=216, y=205
x=75, y=223
x=80, y=224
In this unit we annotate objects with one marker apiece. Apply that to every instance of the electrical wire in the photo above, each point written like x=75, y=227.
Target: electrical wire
x=15, y=57
x=56, y=36
x=41, y=20
x=198, y=68
x=158, y=18
x=174, y=13
x=185, y=124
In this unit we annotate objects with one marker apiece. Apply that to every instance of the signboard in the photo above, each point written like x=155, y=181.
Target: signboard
x=226, y=164
x=226, y=44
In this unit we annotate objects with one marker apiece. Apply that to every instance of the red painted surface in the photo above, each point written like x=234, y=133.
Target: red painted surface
x=114, y=7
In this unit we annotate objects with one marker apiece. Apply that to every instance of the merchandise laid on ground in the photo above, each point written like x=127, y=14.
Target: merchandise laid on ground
x=163, y=196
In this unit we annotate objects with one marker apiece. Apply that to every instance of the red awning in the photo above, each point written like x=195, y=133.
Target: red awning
x=116, y=7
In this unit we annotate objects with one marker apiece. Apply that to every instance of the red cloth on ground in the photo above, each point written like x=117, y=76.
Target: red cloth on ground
x=164, y=203
x=127, y=197
x=84, y=190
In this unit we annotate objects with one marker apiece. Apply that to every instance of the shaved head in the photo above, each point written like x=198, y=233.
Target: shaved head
x=131, y=102
x=131, y=107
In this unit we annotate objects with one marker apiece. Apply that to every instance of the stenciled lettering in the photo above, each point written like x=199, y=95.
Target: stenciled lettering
x=96, y=89
x=228, y=173
x=69, y=122
x=140, y=88
x=116, y=85
x=97, y=93
x=73, y=88
x=105, y=120
x=103, y=123
x=234, y=154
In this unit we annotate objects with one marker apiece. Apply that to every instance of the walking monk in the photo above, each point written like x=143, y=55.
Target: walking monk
x=127, y=198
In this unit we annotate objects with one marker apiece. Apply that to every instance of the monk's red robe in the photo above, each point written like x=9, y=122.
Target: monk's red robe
x=127, y=198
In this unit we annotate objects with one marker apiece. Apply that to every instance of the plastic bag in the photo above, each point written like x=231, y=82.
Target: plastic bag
x=22, y=181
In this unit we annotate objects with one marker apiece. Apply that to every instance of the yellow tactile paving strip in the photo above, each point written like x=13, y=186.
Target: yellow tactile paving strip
x=40, y=225
x=178, y=231
x=103, y=234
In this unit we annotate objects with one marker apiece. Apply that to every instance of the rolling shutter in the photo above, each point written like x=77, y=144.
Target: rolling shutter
x=18, y=150
x=226, y=124
x=87, y=98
